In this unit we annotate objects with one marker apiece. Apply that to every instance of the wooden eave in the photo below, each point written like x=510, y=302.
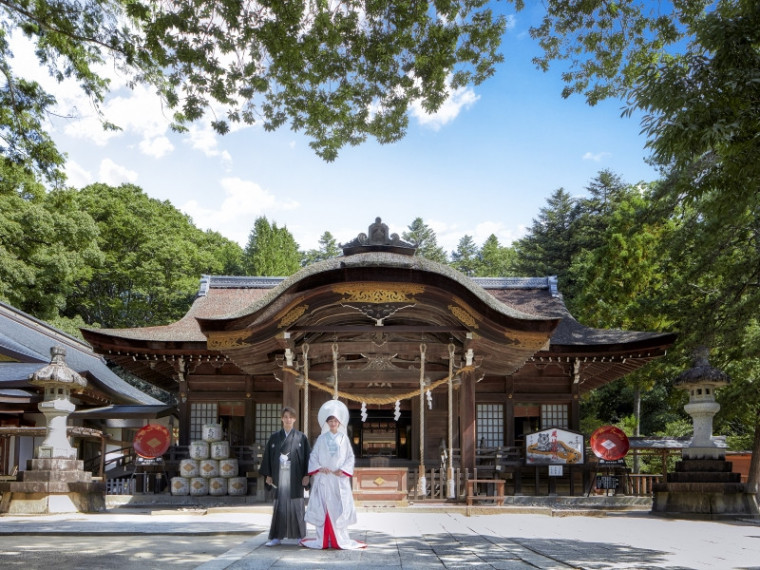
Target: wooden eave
x=156, y=362
x=379, y=313
x=598, y=365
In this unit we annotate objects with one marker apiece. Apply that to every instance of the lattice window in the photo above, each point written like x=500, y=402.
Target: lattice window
x=268, y=421
x=489, y=425
x=554, y=415
x=202, y=413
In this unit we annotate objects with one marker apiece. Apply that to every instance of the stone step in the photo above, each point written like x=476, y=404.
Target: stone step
x=55, y=464
x=705, y=465
x=725, y=488
x=57, y=476
x=704, y=477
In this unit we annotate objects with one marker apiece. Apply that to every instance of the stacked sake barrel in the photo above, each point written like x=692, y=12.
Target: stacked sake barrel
x=210, y=470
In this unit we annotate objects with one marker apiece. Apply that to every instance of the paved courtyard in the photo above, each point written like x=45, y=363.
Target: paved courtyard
x=234, y=539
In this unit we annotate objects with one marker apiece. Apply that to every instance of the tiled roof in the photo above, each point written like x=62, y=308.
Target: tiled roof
x=525, y=297
x=541, y=301
x=216, y=302
x=27, y=341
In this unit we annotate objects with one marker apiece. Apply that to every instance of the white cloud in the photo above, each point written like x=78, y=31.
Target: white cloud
x=114, y=174
x=156, y=147
x=76, y=175
x=504, y=234
x=204, y=138
x=137, y=112
x=461, y=98
x=596, y=157
x=243, y=202
x=448, y=235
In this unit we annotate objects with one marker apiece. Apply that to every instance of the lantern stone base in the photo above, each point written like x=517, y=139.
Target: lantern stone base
x=53, y=485
x=703, y=487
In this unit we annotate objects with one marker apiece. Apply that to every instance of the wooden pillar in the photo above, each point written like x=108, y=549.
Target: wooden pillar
x=290, y=390
x=509, y=412
x=249, y=421
x=574, y=413
x=509, y=421
x=183, y=406
x=467, y=441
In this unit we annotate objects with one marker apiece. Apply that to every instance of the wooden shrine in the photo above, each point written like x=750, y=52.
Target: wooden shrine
x=427, y=359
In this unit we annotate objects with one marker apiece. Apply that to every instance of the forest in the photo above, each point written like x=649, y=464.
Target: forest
x=680, y=253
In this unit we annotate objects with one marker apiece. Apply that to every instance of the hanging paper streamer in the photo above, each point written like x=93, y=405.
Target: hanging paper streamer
x=429, y=397
x=397, y=412
x=364, y=412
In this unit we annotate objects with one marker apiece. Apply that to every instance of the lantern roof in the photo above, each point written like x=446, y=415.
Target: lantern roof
x=702, y=372
x=57, y=372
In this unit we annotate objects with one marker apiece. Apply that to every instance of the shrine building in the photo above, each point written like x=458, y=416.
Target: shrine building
x=425, y=357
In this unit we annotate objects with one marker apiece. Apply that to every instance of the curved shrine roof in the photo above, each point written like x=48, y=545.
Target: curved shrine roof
x=530, y=298
x=382, y=307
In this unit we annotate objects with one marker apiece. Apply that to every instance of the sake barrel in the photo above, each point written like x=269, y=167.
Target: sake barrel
x=180, y=486
x=212, y=432
x=198, y=486
x=237, y=486
x=217, y=486
x=228, y=467
x=199, y=450
x=219, y=449
x=189, y=468
x=208, y=468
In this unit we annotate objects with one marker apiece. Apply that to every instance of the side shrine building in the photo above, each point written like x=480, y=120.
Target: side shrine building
x=425, y=357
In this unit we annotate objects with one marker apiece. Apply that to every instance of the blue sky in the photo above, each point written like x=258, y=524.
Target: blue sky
x=485, y=164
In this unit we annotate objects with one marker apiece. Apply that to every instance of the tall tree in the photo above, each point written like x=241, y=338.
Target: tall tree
x=152, y=257
x=693, y=69
x=228, y=253
x=423, y=237
x=548, y=247
x=465, y=257
x=271, y=251
x=47, y=247
x=328, y=248
x=495, y=260
x=337, y=71
x=605, y=192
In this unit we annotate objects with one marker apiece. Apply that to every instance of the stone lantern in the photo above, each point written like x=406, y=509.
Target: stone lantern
x=58, y=381
x=55, y=481
x=701, y=381
x=703, y=483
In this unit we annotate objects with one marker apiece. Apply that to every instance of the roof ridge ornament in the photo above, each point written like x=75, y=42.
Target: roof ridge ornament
x=378, y=238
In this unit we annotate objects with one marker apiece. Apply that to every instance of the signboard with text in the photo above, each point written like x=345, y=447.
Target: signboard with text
x=554, y=446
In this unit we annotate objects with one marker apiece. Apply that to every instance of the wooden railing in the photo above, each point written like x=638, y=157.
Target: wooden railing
x=436, y=488
x=642, y=483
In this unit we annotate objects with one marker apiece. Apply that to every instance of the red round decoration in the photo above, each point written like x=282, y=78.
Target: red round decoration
x=152, y=441
x=609, y=443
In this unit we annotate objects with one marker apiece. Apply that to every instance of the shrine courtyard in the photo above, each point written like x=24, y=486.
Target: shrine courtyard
x=234, y=539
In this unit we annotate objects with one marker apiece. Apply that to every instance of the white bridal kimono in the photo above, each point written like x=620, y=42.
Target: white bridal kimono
x=331, y=503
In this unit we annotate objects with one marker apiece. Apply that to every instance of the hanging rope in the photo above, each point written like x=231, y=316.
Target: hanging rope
x=451, y=409
x=305, y=350
x=423, y=348
x=335, y=369
x=381, y=401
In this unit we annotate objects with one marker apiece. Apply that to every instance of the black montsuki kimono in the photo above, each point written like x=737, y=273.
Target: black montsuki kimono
x=288, y=507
